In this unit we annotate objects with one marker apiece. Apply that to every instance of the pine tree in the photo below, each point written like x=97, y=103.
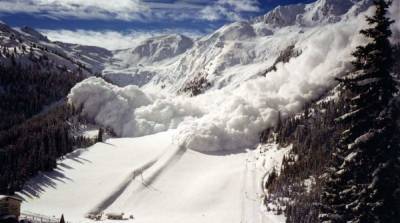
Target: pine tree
x=62, y=219
x=364, y=176
x=100, y=135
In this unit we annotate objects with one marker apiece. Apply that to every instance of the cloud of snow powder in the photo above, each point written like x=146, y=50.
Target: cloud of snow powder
x=228, y=118
x=128, y=110
x=237, y=117
x=395, y=14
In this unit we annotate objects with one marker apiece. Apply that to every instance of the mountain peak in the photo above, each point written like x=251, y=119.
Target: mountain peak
x=321, y=11
x=34, y=33
x=161, y=47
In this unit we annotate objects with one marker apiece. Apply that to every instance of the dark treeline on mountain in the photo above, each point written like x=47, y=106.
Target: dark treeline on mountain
x=25, y=91
x=396, y=55
x=36, y=144
x=36, y=126
x=364, y=179
x=312, y=135
x=344, y=163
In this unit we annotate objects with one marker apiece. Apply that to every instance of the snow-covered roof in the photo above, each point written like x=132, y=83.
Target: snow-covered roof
x=114, y=214
x=8, y=196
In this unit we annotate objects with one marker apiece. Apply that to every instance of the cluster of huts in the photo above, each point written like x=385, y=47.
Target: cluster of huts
x=10, y=208
x=10, y=211
x=110, y=216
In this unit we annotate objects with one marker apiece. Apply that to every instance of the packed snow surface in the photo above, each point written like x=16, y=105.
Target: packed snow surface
x=152, y=178
x=86, y=177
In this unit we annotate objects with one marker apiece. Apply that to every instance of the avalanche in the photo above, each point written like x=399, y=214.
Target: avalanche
x=192, y=159
x=229, y=117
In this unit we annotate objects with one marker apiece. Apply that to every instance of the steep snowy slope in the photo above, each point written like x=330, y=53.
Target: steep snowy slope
x=213, y=60
x=28, y=47
x=139, y=64
x=317, y=13
x=92, y=57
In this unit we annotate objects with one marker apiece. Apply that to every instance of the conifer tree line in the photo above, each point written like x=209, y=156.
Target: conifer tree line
x=37, y=126
x=312, y=135
x=364, y=182
x=25, y=91
x=36, y=144
x=349, y=147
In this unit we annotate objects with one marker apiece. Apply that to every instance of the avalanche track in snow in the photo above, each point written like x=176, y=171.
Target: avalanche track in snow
x=152, y=179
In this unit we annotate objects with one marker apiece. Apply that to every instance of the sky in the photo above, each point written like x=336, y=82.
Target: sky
x=101, y=22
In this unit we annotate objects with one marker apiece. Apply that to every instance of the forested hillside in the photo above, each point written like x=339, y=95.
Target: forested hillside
x=343, y=164
x=313, y=134
x=37, y=125
x=36, y=144
x=25, y=92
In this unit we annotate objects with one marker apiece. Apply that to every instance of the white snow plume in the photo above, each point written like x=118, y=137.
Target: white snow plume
x=230, y=118
x=395, y=14
x=240, y=114
x=128, y=110
x=108, y=104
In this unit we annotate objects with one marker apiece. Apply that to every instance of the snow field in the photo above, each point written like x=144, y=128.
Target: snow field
x=154, y=179
x=88, y=177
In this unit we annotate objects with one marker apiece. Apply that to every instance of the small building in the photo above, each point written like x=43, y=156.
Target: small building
x=115, y=216
x=95, y=216
x=10, y=207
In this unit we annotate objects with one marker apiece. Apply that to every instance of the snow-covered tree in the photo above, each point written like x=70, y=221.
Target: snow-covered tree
x=100, y=135
x=364, y=182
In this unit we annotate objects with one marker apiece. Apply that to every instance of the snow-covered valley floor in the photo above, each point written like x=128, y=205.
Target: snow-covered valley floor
x=154, y=181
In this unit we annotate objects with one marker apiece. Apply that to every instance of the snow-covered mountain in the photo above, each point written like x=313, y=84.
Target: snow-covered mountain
x=316, y=13
x=215, y=58
x=195, y=110
x=29, y=47
x=249, y=69
x=159, y=48
x=137, y=65
x=176, y=62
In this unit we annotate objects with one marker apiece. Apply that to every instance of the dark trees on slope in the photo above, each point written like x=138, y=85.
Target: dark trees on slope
x=100, y=135
x=311, y=136
x=364, y=176
x=62, y=219
x=24, y=92
x=36, y=126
